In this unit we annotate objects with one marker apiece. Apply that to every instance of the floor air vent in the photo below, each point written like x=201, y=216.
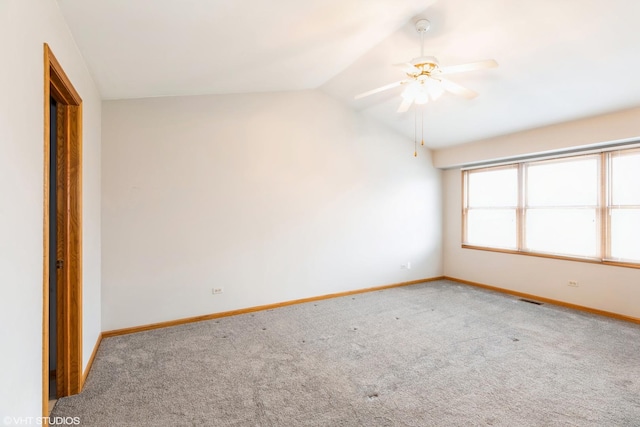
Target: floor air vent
x=530, y=302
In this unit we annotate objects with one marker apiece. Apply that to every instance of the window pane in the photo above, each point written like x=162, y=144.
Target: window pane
x=563, y=183
x=492, y=227
x=625, y=179
x=493, y=188
x=562, y=231
x=625, y=234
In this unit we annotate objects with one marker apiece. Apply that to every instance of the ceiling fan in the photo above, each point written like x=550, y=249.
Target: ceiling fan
x=425, y=77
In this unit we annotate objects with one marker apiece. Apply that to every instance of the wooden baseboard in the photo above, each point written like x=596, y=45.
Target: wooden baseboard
x=91, y=359
x=183, y=321
x=547, y=300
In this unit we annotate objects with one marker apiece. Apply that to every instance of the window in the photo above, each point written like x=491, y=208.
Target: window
x=492, y=204
x=581, y=207
x=561, y=206
x=623, y=207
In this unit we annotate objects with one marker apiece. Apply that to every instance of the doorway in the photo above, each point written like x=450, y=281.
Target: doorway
x=62, y=267
x=54, y=245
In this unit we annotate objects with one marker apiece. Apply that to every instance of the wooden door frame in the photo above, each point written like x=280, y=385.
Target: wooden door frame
x=69, y=320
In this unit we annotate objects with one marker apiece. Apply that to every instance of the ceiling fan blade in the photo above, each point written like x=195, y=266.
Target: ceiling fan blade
x=406, y=104
x=456, y=89
x=380, y=89
x=489, y=63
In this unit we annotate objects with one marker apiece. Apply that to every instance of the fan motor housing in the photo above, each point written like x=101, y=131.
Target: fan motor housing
x=424, y=64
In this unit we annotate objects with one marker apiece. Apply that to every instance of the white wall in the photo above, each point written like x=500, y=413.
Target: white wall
x=273, y=197
x=589, y=132
x=609, y=288
x=24, y=26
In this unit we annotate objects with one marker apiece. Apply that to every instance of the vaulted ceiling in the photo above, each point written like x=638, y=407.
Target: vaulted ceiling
x=559, y=60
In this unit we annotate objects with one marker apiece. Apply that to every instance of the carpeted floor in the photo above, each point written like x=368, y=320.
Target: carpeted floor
x=433, y=354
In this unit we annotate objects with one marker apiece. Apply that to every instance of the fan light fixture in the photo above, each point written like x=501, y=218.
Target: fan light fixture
x=421, y=90
x=424, y=81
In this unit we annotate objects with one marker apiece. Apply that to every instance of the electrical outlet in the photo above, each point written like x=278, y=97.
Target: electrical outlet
x=216, y=291
x=573, y=283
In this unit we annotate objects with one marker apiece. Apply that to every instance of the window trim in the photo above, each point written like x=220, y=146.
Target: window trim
x=603, y=208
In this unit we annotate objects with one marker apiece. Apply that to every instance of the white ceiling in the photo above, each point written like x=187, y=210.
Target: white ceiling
x=559, y=59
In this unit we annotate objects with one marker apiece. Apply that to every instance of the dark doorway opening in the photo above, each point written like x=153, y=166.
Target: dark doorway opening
x=53, y=246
